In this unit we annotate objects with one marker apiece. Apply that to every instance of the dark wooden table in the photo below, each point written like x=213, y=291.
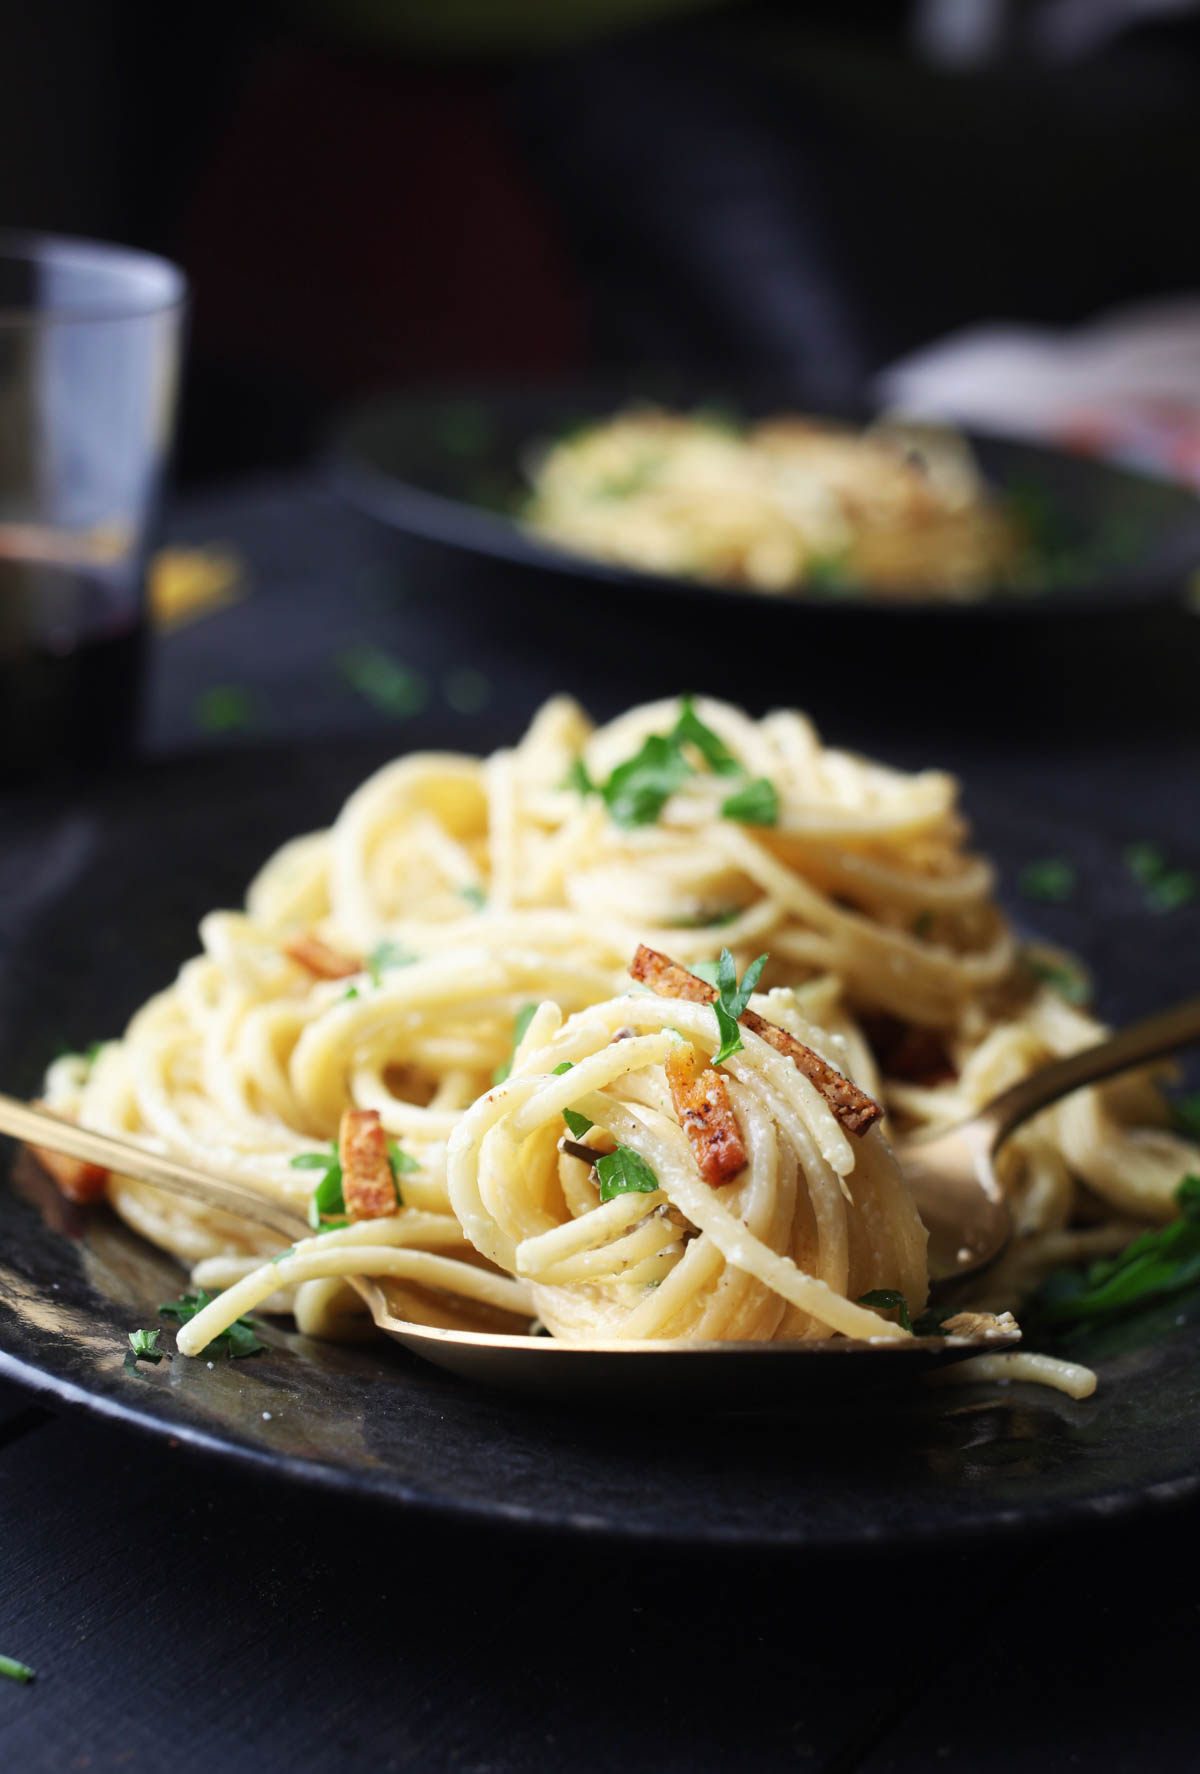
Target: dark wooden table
x=184, y=1616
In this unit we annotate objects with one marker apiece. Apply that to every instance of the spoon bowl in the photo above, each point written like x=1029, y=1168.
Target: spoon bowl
x=674, y=1374
x=951, y=1172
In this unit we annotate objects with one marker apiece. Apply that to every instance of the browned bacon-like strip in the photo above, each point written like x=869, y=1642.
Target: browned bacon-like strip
x=325, y=962
x=701, y=1099
x=78, y=1180
x=368, y=1188
x=853, y=1107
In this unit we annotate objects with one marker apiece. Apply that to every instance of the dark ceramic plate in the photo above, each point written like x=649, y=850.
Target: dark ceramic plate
x=447, y=466
x=98, y=905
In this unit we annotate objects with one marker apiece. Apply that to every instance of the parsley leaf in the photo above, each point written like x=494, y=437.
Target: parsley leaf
x=524, y=1018
x=16, y=1672
x=623, y=1172
x=637, y=790
x=144, y=1345
x=578, y=1124
x=1154, y=1266
x=327, y=1198
x=400, y=1165
x=350, y=992
x=731, y=1001
x=706, y=970
x=1145, y=861
x=690, y=729
x=756, y=804
x=1070, y=981
x=224, y=708
x=385, y=955
x=707, y=920
x=237, y=1341
x=577, y=778
x=474, y=896
x=390, y=686
x=1052, y=880
x=1185, y=1113
x=1178, y=887
x=1166, y=888
x=886, y=1299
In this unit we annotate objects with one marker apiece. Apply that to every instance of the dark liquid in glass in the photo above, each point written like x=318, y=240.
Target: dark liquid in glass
x=72, y=641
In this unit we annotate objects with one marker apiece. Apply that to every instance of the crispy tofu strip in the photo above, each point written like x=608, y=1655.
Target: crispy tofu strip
x=78, y=1180
x=701, y=1099
x=324, y=962
x=853, y=1107
x=368, y=1187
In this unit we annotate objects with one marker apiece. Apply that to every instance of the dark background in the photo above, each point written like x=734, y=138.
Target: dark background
x=794, y=194
x=379, y=195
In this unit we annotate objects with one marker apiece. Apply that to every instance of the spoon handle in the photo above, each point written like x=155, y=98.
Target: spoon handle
x=39, y=1127
x=1150, y=1039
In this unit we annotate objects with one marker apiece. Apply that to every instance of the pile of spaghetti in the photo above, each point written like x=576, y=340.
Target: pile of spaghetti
x=422, y=1035
x=899, y=510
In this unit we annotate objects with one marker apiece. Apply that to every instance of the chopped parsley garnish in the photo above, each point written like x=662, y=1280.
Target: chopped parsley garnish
x=756, y=804
x=707, y=920
x=1053, y=880
x=1166, y=888
x=143, y=1345
x=1185, y=1113
x=578, y=1124
x=225, y=708
x=474, y=896
x=886, y=1299
x=623, y=1172
x=524, y=1017
x=385, y=683
x=1145, y=861
x=466, y=690
x=1069, y=979
x=731, y=1000
x=16, y=1672
x=577, y=778
x=385, y=955
x=350, y=992
x=238, y=1340
x=400, y=1165
x=1154, y=1266
x=1177, y=887
x=326, y=1200
x=828, y=572
x=638, y=789
x=91, y=1052
x=691, y=730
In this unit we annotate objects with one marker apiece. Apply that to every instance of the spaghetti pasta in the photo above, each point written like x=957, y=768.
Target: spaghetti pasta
x=489, y=910
x=899, y=510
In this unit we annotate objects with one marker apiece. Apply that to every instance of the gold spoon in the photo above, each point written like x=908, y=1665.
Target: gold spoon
x=655, y=1373
x=952, y=1172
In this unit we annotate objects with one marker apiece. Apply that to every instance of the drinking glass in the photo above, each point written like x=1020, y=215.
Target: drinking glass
x=89, y=358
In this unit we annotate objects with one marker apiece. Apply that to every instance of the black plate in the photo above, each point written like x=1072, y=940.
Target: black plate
x=447, y=466
x=98, y=905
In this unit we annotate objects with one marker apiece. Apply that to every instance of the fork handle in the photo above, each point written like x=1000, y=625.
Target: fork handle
x=40, y=1127
x=1150, y=1039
